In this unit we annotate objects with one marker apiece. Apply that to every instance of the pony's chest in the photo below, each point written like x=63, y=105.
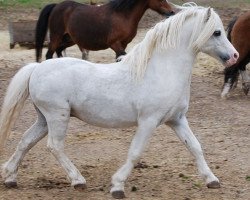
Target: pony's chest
x=175, y=111
x=166, y=103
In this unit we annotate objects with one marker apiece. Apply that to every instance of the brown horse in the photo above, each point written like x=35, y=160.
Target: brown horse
x=111, y=25
x=239, y=35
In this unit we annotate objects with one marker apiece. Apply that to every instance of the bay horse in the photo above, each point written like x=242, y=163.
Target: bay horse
x=238, y=34
x=148, y=88
x=111, y=25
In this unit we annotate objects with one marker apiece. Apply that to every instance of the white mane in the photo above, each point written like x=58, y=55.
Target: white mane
x=166, y=34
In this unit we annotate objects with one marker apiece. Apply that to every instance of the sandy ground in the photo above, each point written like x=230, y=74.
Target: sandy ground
x=169, y=172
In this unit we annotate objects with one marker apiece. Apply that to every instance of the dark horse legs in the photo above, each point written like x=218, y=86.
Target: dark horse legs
x=232, y=75
x=119, y=50
x=245, y=81
x=59, y=46
x=66, y=42
x=119, y=55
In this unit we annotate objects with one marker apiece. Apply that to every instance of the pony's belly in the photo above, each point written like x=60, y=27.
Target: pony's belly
x=106, y=117
x=93, y=46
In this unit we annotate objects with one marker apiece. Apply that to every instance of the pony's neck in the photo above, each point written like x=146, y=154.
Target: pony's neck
x=175, y=63
x=135, y=14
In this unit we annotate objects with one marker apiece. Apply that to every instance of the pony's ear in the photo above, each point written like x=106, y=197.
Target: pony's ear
x=209, y=10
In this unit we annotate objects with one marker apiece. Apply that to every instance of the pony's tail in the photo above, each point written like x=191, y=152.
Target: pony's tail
x=17, y=93
x=230, y=28
x=41, y=29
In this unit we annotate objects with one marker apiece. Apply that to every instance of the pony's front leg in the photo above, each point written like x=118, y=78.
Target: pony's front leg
x=183, y=131
x=119, y=50
x=85, y=54
x=144, y=131
x=230, y=80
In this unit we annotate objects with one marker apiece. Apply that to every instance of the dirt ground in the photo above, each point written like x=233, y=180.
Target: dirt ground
x=168, y=170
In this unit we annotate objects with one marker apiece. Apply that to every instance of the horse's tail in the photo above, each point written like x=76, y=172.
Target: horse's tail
x=230, y=28
x=41, y=29
x=17, y=93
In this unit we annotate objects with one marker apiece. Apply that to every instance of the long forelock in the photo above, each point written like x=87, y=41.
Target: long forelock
x=166, y=34
x=203, y=30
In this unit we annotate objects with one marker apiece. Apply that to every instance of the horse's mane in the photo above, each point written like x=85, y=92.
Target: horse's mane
x=122, y=5
x=230, y=27
x=166, y=34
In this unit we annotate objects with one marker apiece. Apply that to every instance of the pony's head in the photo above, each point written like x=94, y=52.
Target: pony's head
x=194, y=29
x=161, y=6
x=202, y=28
x=218, y=45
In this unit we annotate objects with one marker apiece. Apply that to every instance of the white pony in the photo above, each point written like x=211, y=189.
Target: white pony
x=149, y=87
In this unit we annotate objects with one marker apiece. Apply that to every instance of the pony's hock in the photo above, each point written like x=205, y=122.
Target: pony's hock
x=23, y=33
x=149, y=87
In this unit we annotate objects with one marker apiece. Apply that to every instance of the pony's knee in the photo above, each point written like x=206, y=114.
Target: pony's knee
x=51, y=146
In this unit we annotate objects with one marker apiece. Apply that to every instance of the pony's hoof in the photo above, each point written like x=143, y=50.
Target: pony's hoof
x=11, y=184
x=118, y=59
x=80, y=187
x=225, y=90
x=118, y=194
x=213, y=185
x=224, y=96
x=245, y=88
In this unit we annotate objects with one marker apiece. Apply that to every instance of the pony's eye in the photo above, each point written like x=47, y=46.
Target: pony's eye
x=217, y=33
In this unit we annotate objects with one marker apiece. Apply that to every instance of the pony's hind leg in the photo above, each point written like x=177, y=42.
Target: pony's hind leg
x=183, y=131
x=59, y=51
x=29, y=139
x=66, y=42
x=57, y=45
x=58, y=121
x=143, y=133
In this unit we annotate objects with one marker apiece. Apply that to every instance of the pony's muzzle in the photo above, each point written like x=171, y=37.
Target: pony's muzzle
x=169, y=14
x=229, y=59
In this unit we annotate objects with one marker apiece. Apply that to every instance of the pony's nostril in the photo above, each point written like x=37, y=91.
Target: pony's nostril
x=236, y=55
x=168, y=14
